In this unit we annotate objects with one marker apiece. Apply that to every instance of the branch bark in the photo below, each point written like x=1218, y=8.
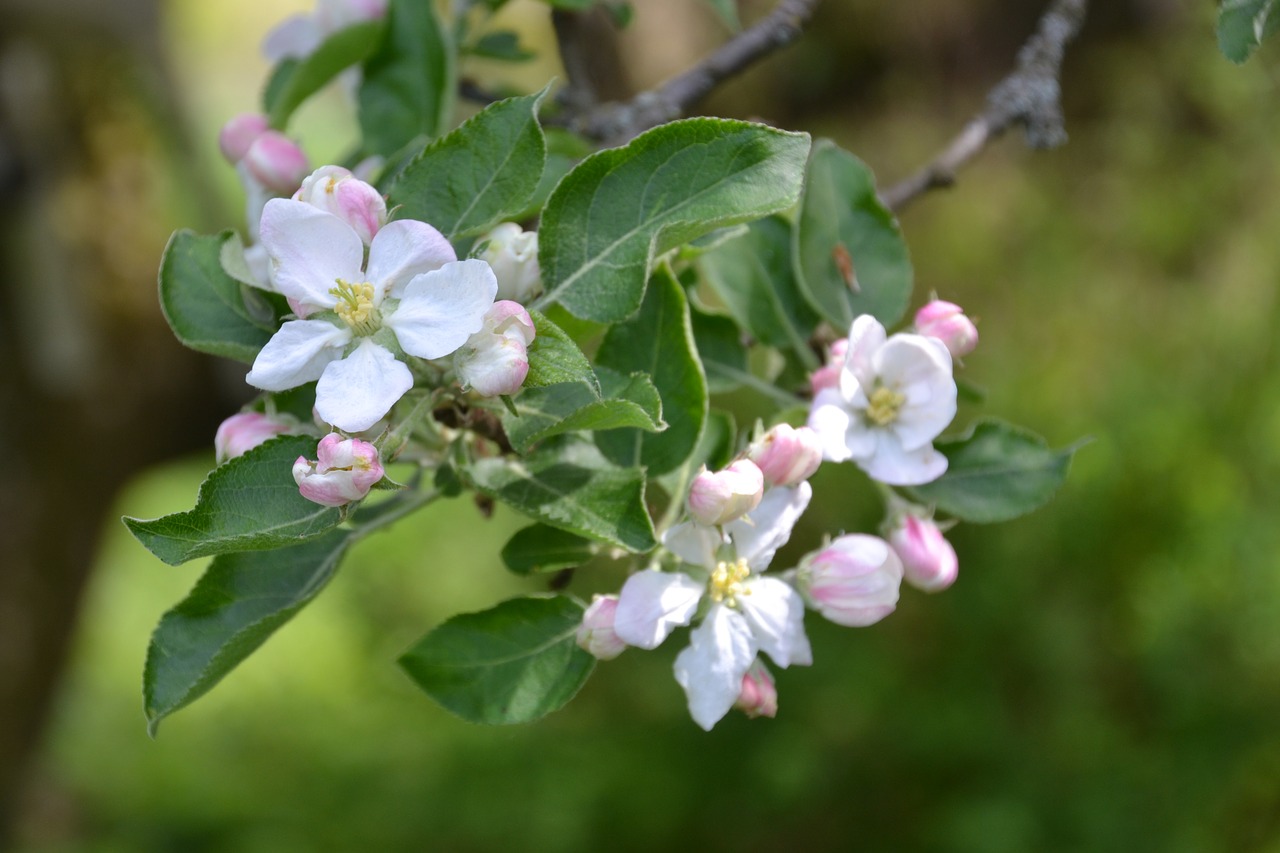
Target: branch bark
x=1030, y=96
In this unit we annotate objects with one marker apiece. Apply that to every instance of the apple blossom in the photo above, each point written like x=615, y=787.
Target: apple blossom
x=786, y=455
x=947, y=322
x=338, y=191
x=410, y=295
x=722, y=496
x=345, y=471
x=928, y=560
x=242, y=432
x=894, y=397
x=853, y=581
x=596, y=634
x=513, y=254
x=495, y=360
x=759, y=696
x=239, y=133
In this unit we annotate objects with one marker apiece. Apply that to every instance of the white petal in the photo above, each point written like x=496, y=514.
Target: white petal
x=866, y=336
x=310, y=250
x=441, y=309
x=775, y=612
x=652, y=604
x=919, y=368
x=693, y=543
x=298, y=353
x=758, y=536
x=831, y=419
x=893, y=464
x=354, y=393
x=710, y=670
x=403, y=249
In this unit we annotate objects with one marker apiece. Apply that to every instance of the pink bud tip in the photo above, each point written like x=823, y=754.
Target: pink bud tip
x=928, y=559
x=721, y=497
x=947, y=322
x=786, y=455
x=276, y=162
x=759, y=696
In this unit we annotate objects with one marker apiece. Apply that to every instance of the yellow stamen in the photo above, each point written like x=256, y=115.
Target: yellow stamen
x=885, y=405
x=355, y=306
x=726, y=582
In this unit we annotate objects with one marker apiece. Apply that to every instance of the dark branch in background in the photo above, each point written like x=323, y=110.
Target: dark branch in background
x=579, y=94
x=1029, y=97
x=615, y=123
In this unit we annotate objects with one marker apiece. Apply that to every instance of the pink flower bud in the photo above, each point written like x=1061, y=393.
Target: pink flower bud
x=853, y=581
x=928, y=560
x=725, y=495
x=495, y=360
x=596, y=634
x=275, y=161
x=947, y=322
x=336, y=190
x=786, y=455
x=759, y=696
x=828, y=376
x=239, y=434
x=239, y=133
x=513, y=255
x=347, y=469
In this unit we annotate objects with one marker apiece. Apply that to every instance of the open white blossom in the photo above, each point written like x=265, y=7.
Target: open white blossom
x=894, y=397
x=412, y=296
x=747, y=612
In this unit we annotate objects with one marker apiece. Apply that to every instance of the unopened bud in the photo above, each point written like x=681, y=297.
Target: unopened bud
x=495, y=360
x=239, y=434
x=513, y=254
x=338, y=191
x=853, y=581
x=828, y=376
x=596, y=634
x=721, y=497
x=759, y=696
x=239, y=133
x=928, y=560
x=276, y=162
x=947, y=322
x=347, y=469
x=786, y=455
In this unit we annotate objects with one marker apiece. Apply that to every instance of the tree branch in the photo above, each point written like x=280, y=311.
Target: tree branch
x=1030, y=96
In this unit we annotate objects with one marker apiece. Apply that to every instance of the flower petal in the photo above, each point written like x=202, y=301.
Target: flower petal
x=310, y=250
x=403, y=249
x=292, y=38
x=354, y=393
x=442, y=308
x=759, y=535
x=893, y=464
x=919, y=368
x=693, y=543
x=775, y=612
x=652, y=604
x=866, y=337
x=296, y=354
x=710, y=670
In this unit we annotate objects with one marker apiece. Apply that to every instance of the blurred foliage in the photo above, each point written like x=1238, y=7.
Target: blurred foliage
x=1104, y=676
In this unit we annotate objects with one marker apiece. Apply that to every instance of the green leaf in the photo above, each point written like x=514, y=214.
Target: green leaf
x=250, y=503
x=409, y=84
x=554, y=358
x=996, y=472
x=514, y=663
x=721, y=350
x=622, y=401
x=539, y=548
x=296, y=80
x=753, y=276
x=569, y=485
x=609, y=219
x=658, y=342
x=503, y=45
x=239, y=602
x=849, y=255
x=483, y=172
x=1243, y=24
x=207, y=309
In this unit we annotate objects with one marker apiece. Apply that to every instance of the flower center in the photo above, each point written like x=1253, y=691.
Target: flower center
x=355, y=306
x=885, y=405
x=726, y=582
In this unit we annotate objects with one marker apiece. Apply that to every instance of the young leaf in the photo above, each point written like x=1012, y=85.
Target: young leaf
x=539, y=548
x=249, y=503
x=206, y=308
x=569, y=485
x=849, y=254
x=408, y=86
x=658, y=342
x=484, y=171
x=296, y=80
x=623, y=401
x=1243, y=24
x=619, y=209
x=239, y=602
x=511, y=664
x=996, y=472
x=554, y=358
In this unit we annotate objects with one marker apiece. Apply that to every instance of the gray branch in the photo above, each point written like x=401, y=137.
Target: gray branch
x=1030, y=96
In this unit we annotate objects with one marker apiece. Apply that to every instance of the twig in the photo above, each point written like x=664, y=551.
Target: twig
x=619, y=122
x=1029, y=96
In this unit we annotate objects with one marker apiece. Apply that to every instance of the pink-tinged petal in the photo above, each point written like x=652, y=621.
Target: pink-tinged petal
x=853, y=581
x=440, y=310
x=242, y=432
x=775, y=612
x=652, y=604
x=711, y=669
x=403, y=249
x=596, y=634
x=298, y=353
x=896, y=466
x=866, y=336
x=693, y=543
x=354, y=393
x=759, y=696
x=276, y=162
x=758, y=537
x=310, y=250
x=293, y=37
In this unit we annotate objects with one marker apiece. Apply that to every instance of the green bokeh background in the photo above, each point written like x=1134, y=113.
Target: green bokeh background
x=1104, y=676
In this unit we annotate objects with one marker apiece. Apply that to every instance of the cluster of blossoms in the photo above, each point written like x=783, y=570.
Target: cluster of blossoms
x=880, y=402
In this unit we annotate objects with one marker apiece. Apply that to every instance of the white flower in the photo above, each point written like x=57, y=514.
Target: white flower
x=513, y=254
x=747, y=612
x=894, y=397
x=411, y=296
